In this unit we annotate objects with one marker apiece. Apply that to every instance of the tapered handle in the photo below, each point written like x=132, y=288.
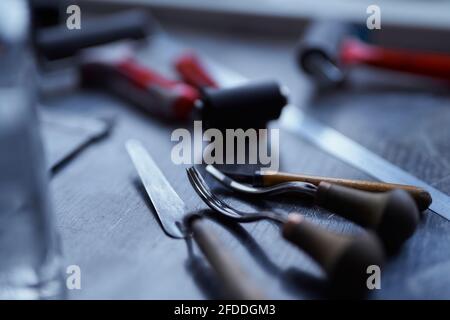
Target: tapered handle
x=236, y=283
x=58, y=42
x=344, y=258
x=393, y=215
x=421, y=196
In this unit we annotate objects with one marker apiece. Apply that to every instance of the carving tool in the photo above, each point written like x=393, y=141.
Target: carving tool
x=270, y=178
x=193, y=72
x=249, y=105
x=178, y=223
x=343, y=148
x=393, y=215
x=114, y=68
x=58, y=42
x=328, y=48
x=344, y=258
x=349, y=151
x=82, y=131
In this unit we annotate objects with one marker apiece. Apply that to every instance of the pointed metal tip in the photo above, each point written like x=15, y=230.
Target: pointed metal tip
x=131, y=143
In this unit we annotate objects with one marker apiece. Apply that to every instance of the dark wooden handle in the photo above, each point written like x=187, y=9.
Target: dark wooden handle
x=393, y=215
x=422, y=197
x=344, y=258
x=236, y=283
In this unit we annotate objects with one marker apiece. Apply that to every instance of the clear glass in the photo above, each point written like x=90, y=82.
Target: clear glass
x=30, y=255
x=29, y=246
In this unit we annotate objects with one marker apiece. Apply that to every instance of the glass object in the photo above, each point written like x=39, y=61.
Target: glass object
x=30, y=259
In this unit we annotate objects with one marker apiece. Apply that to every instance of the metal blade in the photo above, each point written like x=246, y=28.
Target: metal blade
x=349, y=151
x=342, y=147
x=168, y=205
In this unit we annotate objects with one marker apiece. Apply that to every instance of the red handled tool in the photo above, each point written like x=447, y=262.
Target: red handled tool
x=430, y=64
x=192, y=71
x=196, y=96
x=174, y=98
x=246, y=106
x=113, y=68
x=328, y=47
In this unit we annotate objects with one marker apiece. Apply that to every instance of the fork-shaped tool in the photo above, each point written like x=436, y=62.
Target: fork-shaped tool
x=393, y=215
x=344, y=258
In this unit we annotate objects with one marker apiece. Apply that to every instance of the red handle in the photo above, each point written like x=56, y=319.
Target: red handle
x=423, y=63
x=177, y=97
x=193, y=72
x=143, y=76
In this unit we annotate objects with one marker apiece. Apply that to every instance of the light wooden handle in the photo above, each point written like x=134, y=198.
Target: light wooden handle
x=420, y=196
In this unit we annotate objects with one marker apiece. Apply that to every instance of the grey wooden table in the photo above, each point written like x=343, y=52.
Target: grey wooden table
x=109, y=229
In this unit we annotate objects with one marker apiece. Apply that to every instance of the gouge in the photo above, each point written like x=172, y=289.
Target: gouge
x=270, y=178
x=393, y=215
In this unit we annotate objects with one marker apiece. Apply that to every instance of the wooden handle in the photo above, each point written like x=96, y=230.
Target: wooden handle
x=236, y=282
x=422, y=197
x=345, y=259
x=393, y=215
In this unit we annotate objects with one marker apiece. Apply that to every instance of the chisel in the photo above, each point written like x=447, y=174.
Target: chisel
x=269, y=178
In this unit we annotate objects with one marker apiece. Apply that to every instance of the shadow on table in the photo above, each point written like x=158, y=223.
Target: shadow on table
x=203, y=275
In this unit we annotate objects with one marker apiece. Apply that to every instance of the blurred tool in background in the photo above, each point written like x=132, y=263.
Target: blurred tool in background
x=244, y=106
x=241, y=106
x=192, y=71
x=116, y=71
x=30, y=257
x=58, y=41
x=344, y=258
x=46, y=13
x=110, y=64
x=329, y=48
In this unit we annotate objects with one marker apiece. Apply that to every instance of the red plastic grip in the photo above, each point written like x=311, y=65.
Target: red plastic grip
x=178, y=96
x=430, y=64
x=193, y=72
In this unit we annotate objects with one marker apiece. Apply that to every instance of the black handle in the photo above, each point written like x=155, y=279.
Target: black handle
x=344, y=258
x=59, y=42
x=236, y=283
x=318, y=53
x=249, y=105
x=393, y=215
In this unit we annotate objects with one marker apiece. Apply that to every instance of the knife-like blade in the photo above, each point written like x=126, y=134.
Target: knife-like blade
x=168, y=205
